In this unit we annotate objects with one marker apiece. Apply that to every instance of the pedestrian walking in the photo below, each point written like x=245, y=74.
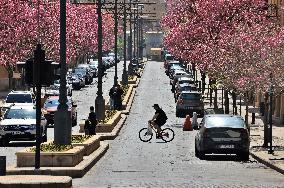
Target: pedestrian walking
x=111, y=97
x=91, y=122
x=118, y=97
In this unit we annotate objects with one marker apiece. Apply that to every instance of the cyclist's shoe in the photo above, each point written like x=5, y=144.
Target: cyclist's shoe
x=166, y=135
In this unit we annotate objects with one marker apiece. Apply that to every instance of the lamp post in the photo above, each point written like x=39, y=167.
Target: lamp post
x=100, y=101
x=62, y=119
x=115, y=42
x=124, y=74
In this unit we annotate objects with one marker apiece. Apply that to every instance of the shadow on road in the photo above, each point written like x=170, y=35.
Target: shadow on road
x=20, y=144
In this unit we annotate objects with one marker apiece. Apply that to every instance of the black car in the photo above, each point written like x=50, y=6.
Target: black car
x=85, y=73
x=222, y=133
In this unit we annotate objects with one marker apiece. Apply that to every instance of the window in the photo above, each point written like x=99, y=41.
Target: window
x=190, y=96
x=19, y=98
x=20, y=114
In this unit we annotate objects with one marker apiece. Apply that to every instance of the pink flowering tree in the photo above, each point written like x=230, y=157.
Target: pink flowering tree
x=16, y=34
x=22, y=25
x=223, y=38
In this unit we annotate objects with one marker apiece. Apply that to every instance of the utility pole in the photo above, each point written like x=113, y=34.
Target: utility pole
x=62, y=119
x=124, y=74
x=100, y=101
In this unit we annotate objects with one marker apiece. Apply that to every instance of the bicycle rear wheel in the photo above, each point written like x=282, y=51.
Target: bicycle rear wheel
x=168, y=134
x=144, y=135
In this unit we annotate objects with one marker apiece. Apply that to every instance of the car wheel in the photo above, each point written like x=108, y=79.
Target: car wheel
x=74, y=122
x=244, y=156
x=196, y=152
x=4, y=142
x=177, y=114
x=201, y=155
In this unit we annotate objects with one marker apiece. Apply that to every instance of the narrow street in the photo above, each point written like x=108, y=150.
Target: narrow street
x=132, y=163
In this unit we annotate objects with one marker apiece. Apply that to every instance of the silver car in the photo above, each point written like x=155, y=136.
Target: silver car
x=222, y=133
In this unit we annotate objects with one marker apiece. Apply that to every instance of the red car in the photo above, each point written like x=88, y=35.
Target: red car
x=50, y=107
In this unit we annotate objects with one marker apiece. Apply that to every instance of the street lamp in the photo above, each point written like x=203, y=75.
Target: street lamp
x=100, y=101
x=124, y=74
x=62, y=119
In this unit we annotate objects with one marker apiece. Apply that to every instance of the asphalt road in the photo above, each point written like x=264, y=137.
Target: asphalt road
x=132, y=163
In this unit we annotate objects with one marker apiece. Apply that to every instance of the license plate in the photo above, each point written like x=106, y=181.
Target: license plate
x=189, y=107
x=227, y=146
x=17, y=132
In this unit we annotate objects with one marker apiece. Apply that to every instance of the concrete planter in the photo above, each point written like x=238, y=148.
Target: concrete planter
x=133, y=81
x=90, y=145
x=108, y=127
x=127, y=97
x=69, y=158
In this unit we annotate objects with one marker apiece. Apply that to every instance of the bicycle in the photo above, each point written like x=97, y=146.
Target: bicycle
x=145, y=134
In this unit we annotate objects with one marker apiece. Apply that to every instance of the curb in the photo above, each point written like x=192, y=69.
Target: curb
x=35, y=181
x=129, y=105
x=75, y=172
x=266, y=163
x=114, y=133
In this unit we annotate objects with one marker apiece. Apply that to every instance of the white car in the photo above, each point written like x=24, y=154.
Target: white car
x=19, y=123
x=19, y=98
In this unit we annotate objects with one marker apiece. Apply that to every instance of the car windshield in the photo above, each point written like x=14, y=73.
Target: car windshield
x=221, y=121
x=53, y=103
x=53, y=87
x=188, y=88
x=80, y=70
x=169, y=57
x=190, y=96
x=20, y=114
x=19, y=98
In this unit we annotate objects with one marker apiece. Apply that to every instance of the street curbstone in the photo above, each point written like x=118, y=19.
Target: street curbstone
x=75, y=172
x=267, y=162
x=35, y=181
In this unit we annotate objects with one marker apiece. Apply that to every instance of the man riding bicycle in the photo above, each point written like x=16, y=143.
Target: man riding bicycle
x=158, y=120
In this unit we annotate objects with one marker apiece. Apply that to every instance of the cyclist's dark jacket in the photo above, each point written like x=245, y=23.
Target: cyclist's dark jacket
x=162, y=117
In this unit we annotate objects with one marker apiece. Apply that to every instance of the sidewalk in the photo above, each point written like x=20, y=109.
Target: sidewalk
x=275, y=160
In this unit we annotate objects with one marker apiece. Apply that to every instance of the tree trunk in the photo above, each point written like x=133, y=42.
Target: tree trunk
x=203, y=82
x=216, y=98
x=210, y=91
x=234, y=103
x=265, y=122
x=227, y=104
x=246, y=117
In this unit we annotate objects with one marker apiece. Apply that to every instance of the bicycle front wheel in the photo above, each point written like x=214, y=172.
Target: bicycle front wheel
x=144, y=135
x=168, y=134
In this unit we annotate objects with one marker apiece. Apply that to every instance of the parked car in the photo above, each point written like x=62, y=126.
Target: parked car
x=84, y=72
x=184, y=87
x=50, y=107
x=52, y=90
x=174, y=80
x=94, y=68
x=88, y=69
x=170, y=64
x=68, y=86
x=77, y=81
x=20, y=98
x=19, y=123
x=189, y=102
x=168, y=58
x=222, y=133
